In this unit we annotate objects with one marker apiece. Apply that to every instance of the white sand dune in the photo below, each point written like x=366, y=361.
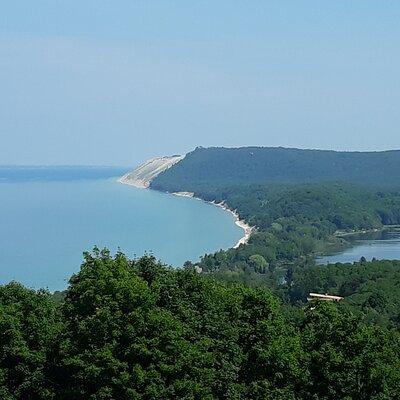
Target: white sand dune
x=142, y=176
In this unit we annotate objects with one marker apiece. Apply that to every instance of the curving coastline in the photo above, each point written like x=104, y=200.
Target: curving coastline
x=248, y=230
x=131, y=180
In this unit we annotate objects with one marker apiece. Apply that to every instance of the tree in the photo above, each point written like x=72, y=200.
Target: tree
x=259, y=263
x=29, y=327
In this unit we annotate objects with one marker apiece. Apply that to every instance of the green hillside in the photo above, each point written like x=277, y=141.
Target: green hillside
x=215, y=166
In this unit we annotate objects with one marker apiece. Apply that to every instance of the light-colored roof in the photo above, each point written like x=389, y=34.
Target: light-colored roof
x=324, y=296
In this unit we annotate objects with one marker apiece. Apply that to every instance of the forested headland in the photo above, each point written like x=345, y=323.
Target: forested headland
x=242, y=328
x=221, y=166
x=298, y=200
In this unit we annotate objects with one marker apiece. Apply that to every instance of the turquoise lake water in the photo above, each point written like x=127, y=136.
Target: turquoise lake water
x=46, y=224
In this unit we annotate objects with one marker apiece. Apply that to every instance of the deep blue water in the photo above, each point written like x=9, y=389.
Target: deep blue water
x=46, y=224
x=384, y=246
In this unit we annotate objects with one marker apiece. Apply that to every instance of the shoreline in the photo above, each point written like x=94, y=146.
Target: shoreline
x=343, y=234
x=248, y=230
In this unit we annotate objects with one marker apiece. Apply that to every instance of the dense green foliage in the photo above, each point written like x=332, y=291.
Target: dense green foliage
x=29, y=326
x=337, y=205
x=300, y=201
x=222, y=166
x=294, y=222
x=138, y=330
x=371, y=289
x=286, y=195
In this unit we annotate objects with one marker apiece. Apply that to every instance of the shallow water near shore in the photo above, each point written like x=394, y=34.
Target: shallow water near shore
x=45, y=227
x=381, y=246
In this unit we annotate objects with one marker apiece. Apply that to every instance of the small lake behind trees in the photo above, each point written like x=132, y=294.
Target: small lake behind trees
x=381, y=246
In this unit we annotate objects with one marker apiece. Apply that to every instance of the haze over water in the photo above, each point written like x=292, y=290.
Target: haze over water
x=46, y=225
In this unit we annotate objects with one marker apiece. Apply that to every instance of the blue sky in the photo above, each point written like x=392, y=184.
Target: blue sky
x=116, y=82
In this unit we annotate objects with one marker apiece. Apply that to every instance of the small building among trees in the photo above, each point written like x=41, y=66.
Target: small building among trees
x=323, y=297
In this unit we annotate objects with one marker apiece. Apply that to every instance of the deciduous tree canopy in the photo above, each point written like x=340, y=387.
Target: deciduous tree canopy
x=139, y=330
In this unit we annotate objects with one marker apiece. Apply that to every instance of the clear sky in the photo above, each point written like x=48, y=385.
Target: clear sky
x=114, y=82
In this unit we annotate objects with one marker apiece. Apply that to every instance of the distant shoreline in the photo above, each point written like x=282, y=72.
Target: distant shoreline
x=248, y=230
x=344, y=234
x=137, y=183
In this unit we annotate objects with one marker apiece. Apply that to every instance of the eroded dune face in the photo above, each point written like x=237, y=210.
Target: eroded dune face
x=143, y=175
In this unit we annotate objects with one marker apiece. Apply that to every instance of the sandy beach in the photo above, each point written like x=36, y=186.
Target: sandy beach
x=248, y=230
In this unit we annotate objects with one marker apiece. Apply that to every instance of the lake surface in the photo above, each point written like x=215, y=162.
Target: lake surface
x=382, y=246
x=46, y=224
